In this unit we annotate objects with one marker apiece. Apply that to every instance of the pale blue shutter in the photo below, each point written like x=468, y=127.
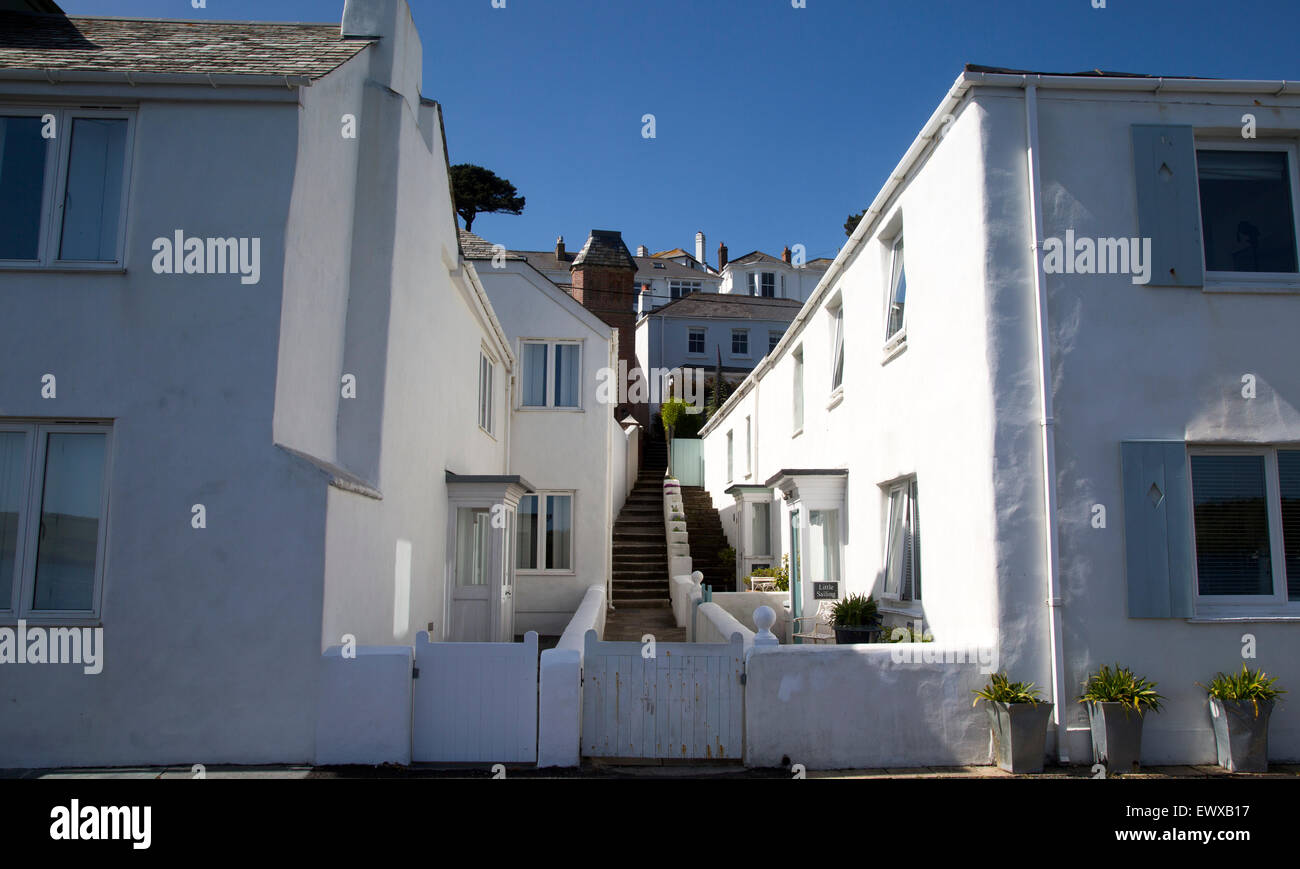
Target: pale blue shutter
x=1164, y=163
x=1158, y=545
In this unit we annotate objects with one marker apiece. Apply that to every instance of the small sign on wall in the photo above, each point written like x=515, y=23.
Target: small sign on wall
x=826, y=591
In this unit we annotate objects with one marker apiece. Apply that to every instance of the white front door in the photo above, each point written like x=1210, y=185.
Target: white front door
x=473, y=594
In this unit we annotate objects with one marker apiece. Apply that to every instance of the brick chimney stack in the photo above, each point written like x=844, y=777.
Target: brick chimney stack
x=559, y=249
x=604, y=282
x=785, y=255
x=722, y=257
x=699, y=248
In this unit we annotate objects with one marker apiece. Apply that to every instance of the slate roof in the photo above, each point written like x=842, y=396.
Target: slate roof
x=728, y=306
x=475, y=247
x=605, y=247
x=759, y=257
x=30, y=41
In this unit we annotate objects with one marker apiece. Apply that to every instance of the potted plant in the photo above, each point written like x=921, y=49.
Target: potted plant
x=1018, y=717
x=1240, y=706
x=855, y=619
x=1117, y=702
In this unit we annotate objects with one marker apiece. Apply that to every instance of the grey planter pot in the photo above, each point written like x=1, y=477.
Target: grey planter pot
x=1240, y=735
x=1116, y=736
x=1019, y=735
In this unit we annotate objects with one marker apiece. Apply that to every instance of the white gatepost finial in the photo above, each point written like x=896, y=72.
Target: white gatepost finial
x=697, y=577
x=764, y=618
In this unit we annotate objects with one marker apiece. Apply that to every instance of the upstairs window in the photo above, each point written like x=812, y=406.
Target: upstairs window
x=895, y=321
x=762, y=284
x=563, y=361
x=695, y=341
x=731, y=455
x=837, y=350
x=773, y=338
x=1248, y=220
x=739, y=342
x=677, y=289
x=797, y=410
x=63, y=181
x=486, y=374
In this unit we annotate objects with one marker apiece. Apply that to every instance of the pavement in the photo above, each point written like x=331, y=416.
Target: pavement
x=602, y=770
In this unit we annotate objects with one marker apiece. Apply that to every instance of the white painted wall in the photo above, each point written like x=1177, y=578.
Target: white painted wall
x=569, y=450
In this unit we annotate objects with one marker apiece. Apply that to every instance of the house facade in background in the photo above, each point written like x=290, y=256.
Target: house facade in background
x=1074, y=467
x=564, y=440
x=763, y=275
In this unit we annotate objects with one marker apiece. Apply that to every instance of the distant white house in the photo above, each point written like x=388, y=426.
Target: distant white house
x=1078, y=458
x=763, y=275
x=294, y=430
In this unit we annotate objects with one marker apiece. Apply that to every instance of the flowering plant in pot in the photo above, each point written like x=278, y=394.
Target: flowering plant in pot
x=1117, y=702
x=1018, y=717
x=1240, y=706
x=856, y=619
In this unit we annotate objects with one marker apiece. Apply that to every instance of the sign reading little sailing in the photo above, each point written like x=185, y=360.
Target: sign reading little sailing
x=826, y=591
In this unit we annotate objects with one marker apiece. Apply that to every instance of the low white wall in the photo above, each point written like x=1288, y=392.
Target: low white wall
x=559, y=703
x=680, y=589
x=364, y=711
x=713, y=624
x=852, y=707
x=741, y=605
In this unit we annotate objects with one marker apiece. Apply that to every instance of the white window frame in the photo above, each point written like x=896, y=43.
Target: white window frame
x=749, y=447
x=24, y=586
x=680, y=289
x=552, y=368
x=703, y=335
x=838, y=353
x=900, y=336
x=1277, y=603
x=56, y=183
x=731, y=454
x=798, y=408
x=747, y=351
x=542, y=496
x=486, y=392
x=1251, y=281
x=773, y=339
x=904, y=484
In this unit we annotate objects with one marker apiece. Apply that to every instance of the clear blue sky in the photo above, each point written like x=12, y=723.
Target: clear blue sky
x=774, y=123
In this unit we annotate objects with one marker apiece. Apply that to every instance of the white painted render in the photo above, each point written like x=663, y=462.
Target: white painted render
x=958, y=407
x=561, y=449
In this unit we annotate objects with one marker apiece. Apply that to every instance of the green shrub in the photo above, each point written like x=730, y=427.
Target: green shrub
x=1000, y=689
x=856, y=610
x=780, y=574
x=904, y=634
x=1248, y=685
x=1121, y=685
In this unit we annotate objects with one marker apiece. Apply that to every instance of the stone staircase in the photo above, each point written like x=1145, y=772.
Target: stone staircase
x=641, y=603
x=706, y=538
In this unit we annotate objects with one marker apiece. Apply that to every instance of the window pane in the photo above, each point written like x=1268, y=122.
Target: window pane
x=473, y=546
x=535, y=375
x=566, y=375
x=1288, y=466
x=914, y=546
x=1246, y=214
x=22, y=186
x=93, y=199
x=527, y=534
x=731, y=452
x=762, y=531
x=696, y=341
x=1232, y=543
x=895, y=543
x=559, y=531
x=69, y=533
x=798, y=391
x=824, y=545
x=13, y=460
x=837, y=372
x=898, y=293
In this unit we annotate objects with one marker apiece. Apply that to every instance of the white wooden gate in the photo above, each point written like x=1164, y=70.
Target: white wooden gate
x=687, y=701
x=475, y=702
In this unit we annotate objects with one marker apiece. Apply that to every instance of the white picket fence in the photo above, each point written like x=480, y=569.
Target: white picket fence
x=475, y=702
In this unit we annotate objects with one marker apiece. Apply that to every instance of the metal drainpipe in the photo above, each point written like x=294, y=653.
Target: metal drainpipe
x=1047, y=424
